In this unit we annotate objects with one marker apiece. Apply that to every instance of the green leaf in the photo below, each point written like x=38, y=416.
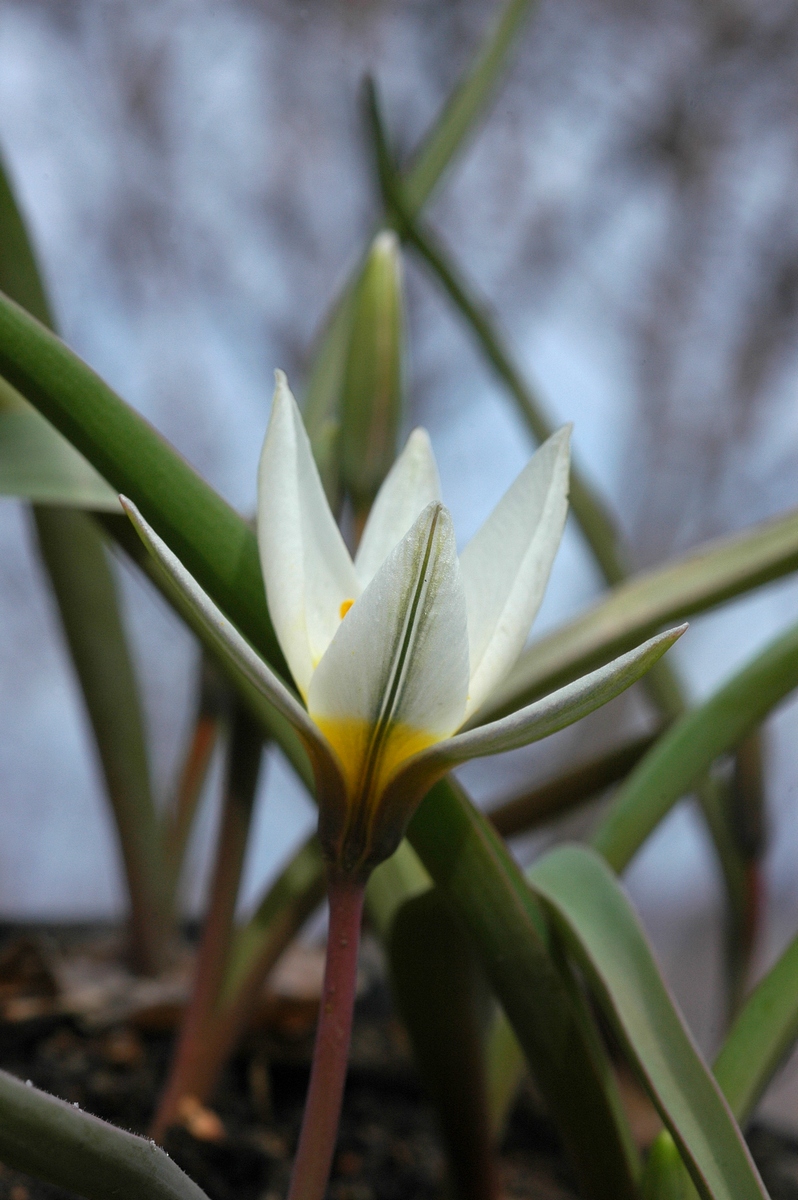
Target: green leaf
x=36, y=462
x=506, y=1068
x=204, y=532
x=665, y=1177
x=706, y=576
x=473, y=869
x=593, y=517
x=84, y=586
x=466, y=104
x=599, y=927
x=465, y=107
x=444, y=1002
x=763, y=1033
x=55, y=1141
x=689, y=748
x=533, y=807
x=39, y=465
x=401, y=877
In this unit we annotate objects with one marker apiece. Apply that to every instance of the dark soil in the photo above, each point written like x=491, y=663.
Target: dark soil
x=388, y=1147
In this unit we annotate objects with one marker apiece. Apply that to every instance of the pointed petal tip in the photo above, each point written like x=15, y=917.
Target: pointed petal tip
x=419, y=438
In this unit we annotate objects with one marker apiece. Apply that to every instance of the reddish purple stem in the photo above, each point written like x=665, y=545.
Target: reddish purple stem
x=330, y=1054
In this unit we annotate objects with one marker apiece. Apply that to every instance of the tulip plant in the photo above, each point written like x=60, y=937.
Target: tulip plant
x=377, y=673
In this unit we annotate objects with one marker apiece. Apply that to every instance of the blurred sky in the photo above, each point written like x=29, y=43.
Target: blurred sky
x=198, y=184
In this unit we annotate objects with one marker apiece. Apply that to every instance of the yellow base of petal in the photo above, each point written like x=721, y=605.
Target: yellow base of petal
x=351, y=739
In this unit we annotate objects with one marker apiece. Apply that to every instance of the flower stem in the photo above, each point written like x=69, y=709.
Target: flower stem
x=331, y=1051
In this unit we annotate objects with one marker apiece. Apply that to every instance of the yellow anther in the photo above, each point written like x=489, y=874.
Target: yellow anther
x=345, y=607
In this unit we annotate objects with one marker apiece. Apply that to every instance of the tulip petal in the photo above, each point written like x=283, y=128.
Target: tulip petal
x=230, y=644
x=306, y=567
x=411, y=484
x=506, y=565
x=546, y=716
x=395, y=677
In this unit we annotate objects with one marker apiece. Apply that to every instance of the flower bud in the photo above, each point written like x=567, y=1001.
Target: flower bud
x=372, y=390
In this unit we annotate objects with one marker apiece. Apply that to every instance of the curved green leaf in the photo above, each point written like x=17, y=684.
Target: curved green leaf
x=36, y=462
x=463, y=109
x=600, y=928
x=465, y=106
x=472, y=867
x=39, y=465
x=444, y=1001
x=204, y=532
x=690, y=747
x=55, y=1141
x=763, y=1033
x=84, y=586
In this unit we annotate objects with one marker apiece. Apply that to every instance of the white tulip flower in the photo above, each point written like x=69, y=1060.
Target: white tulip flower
x=395, y=651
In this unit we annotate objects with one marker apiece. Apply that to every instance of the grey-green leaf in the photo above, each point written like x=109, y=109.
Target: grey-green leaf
x=600, y=929
x=55, y=1141
x=689, y=748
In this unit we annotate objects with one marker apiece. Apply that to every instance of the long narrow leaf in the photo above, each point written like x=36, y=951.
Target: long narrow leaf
x=472, y=867
x=37, y=462
x=205, y=533
x=687, y=751
x=586, y=505
x=601, y=930
x=73, y=552
x=763, y=1033
x=464, y=108
x=535, y=806
x=442, y=996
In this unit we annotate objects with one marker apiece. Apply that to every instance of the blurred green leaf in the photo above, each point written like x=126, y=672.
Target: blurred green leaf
x=506, y=1067
x=689, y=748
x=535, y=806
x=36, y=462
x=39, y=465
x=594, y=519
x=85, y=590
x=466, y=105
x=445, y=1004
x=764, y=1032
x=599, y=927
x=665, y=1176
